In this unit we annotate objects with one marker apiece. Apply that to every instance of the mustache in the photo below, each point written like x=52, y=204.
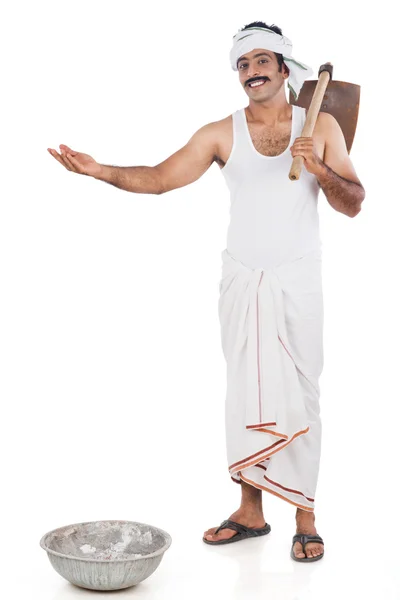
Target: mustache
x=257, y=79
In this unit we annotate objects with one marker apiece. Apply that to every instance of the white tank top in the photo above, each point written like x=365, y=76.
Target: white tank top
x=273, y=220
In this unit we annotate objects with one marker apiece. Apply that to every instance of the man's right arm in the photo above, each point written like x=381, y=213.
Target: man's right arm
x=183, y=167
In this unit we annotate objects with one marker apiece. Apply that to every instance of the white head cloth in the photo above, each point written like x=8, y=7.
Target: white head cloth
x=259, y=37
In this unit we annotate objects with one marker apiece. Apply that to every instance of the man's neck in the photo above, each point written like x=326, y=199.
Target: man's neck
x=271, y=113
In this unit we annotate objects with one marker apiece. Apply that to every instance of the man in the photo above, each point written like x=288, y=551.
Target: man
x=270, y=305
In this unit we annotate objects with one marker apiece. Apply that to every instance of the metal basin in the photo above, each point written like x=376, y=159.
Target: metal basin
x=106, y=555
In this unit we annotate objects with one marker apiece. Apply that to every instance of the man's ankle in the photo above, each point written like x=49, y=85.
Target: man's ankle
x=251, y=507
x=305, y=515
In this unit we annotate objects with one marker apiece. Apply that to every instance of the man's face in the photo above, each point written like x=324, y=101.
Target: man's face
x=261, y=66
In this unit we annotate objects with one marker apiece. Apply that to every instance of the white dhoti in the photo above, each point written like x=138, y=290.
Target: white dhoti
x=272, y=329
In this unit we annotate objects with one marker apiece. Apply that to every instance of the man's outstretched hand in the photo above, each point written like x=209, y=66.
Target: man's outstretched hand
x=76, y=161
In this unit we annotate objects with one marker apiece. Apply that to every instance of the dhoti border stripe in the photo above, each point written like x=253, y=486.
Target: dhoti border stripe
x=282, y=486
x=242, y=464
x=258, y=355
x=260, y=428
x=239, y=462
x=266, y=489
x=288, y=489
x=260, y=425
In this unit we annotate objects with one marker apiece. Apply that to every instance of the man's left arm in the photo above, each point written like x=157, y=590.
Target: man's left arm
x=335, y=173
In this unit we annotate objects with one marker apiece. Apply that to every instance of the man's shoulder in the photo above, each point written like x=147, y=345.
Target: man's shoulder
x=326, y=126
x=217, y=126
x=324, y=120
x=212, y=136
x=215, y=130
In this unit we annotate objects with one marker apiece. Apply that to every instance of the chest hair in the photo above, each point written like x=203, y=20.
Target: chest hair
x=269, y=142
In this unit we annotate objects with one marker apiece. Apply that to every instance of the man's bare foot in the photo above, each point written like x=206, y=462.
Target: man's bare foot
x=249, y=517
x=305, y=524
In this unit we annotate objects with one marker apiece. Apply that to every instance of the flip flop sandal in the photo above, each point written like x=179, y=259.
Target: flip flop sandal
x=243, y=532
x=303, y=539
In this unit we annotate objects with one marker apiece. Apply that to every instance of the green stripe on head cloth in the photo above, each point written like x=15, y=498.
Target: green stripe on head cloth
x=258, y=37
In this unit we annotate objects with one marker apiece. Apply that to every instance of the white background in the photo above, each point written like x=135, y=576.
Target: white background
x=112, y=373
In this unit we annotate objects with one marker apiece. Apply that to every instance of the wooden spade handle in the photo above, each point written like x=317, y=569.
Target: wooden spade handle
x=325, y=74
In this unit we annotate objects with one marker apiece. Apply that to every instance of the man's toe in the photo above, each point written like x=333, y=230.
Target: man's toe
x=313, y=551
x=309, y=552
x=298, y=550
x=223, y=534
